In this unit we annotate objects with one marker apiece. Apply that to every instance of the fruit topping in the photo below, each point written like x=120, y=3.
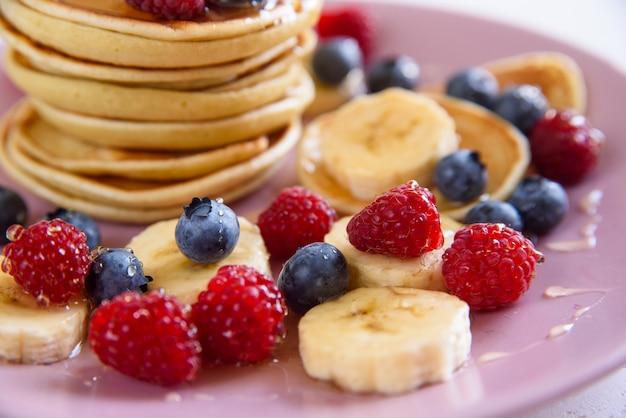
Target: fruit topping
x=295, y=218
x=474, y=84
x=461, y=176
x=170, y=9
x=495, y=211
x=316, y=273
x=403, y=223
x=239, y=316
x=352, y=22
x=489, y=265
x=522, y=105
x=542, y=204
x=112, y=272
x=148, y=337
x=207, y=231
x=238, y=3
x=81, y=221
x=564, y=146
x=49, y=259
x=397, y=71
x=334, y=59
x=13, y=210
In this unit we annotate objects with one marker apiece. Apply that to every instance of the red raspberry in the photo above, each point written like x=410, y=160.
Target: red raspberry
x=240, y=316
x=489, y=265
x=170, y=9
x=352, y=22
x=49, y=259
x=148, y=337
x=295, y=218
x=564, y=146
x=403, y=223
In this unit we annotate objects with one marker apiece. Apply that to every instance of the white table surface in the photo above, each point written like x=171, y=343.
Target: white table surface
x=597, y=26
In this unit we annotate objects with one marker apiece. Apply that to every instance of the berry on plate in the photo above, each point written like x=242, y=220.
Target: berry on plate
x=112, y=272
x=489, y=265
x=239, y=316
x=495, y=211
x=207, y=231
x=13, y=210
x=397, y=71
x=564, y=146
x=542, y=204
x=522, y=105
x=349, y=21
x=335, y=58
x=314, y=274
x=238, y=3
x=49, y=259
x=171, y=9
x=461, y=176
x=147, y=337
x=403, y=223
x=296, y=217
x=475, y=84
x=81, y=221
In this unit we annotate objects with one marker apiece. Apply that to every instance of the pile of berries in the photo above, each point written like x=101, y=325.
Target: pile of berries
x=187, y=9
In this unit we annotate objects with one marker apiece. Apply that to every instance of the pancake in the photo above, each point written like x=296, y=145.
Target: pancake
x=49, y=146
x=110, y=100
x=119, y=48
x=181, y=135
x=503, y=149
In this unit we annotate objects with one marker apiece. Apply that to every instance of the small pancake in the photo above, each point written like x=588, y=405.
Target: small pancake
x=46, y=144
x=115, y=101
x=51, y=61
x=170, y=136
x=118, y=48
x=253, y=174
x=502, y=148
x=117, y=16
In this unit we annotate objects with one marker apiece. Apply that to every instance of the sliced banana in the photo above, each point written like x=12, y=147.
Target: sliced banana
x=34, y=335
x=376, y=142
x=385, y=340
x=377, y=270
x=171, y=271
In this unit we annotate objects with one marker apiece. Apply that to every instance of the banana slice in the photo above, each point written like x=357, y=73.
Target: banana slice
x=385, y=340
x=34, y=335
x=377, y=270
x=376, y=142
x=178, y=276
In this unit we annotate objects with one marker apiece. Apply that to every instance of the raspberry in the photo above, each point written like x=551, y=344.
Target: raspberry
x=489, y=265
x=350, y=22
x=240, y=316
x=170, y=9
x=49, y=259
x=403, y=223
x=295, y=218
x=564, y=146
x=149, y=338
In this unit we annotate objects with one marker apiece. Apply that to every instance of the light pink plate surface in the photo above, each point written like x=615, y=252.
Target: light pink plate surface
x=536, y=369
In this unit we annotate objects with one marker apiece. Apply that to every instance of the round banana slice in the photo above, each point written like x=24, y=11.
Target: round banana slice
x=34, y=335
x=385, y=340
x=377, y=270
x=376, y=142
x=171, y=271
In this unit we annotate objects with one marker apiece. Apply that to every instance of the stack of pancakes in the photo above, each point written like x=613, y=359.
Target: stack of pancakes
x=127, y=117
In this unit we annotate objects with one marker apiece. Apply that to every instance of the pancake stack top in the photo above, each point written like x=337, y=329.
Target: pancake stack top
x=127, y=117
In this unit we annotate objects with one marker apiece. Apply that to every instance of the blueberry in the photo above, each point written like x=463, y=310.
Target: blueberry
x=207, y=231
x=114, y=271
x=475, y=84
x=461, y=176
x=334, y=59
x=13, y=210
x=316, y=273
x=495, y=211
x=542, y=204
x=521, y=105
x=81, y=221
x=238, y=3
x=398, y=71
